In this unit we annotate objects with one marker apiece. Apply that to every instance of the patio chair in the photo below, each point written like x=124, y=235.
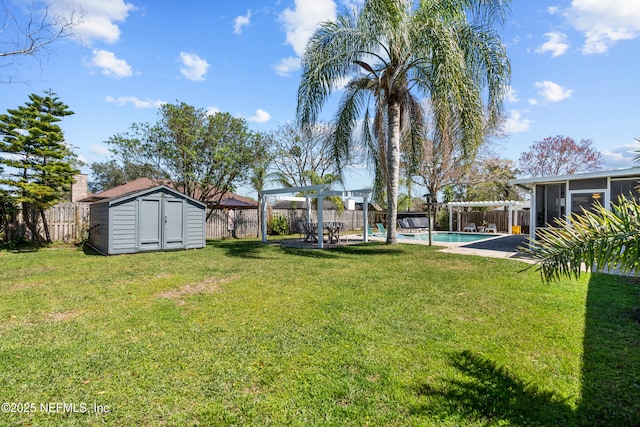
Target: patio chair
x=419, y=223
x=381, y=228
x=471, y=227
x=404, y=223
x=491, y=228
x=310, y=232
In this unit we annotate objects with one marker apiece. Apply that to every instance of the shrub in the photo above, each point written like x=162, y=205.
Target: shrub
x=278, y=225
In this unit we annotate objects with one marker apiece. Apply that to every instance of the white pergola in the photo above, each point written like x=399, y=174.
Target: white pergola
x=511, y=204
x=321, y=191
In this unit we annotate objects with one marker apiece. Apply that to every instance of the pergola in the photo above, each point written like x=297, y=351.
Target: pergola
x=321, y=191
x=511, y=204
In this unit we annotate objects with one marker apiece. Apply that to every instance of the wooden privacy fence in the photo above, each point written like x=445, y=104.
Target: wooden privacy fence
x=68, y=222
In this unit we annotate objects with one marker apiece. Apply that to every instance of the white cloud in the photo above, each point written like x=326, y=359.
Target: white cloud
x=299, y=24
x=110, y=65
x=556, y=44
x=193, y=67
x=516, y=123
x=552, y=10
x=100, y=150
x=136, y=102
x=261, y=116
x=552, y=92
x=512, y=95
x=287, y=65
x=622, y=156
x=212, y=111
x=241, y=21
x=98, y=18
x=604, y=22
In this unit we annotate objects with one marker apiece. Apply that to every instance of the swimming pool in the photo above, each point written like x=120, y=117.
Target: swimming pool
x=446, y=237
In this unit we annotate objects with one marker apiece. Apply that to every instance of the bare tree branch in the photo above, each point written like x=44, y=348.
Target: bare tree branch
x=34, y=34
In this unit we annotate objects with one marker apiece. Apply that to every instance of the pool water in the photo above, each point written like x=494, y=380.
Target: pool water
x=448, y=237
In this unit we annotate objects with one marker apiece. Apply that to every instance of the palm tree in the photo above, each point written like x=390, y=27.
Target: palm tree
x=391, y=52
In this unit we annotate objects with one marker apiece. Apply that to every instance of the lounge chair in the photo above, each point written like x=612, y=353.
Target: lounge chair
x=419, y=223
x=381, y=228
x=404, y=223
x=471, y=227
x=491, y=228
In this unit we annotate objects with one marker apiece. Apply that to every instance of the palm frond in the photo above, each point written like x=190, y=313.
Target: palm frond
x=599, y=239
x=352, y=105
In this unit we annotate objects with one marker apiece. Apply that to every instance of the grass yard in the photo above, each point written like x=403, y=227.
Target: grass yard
x=241, y=333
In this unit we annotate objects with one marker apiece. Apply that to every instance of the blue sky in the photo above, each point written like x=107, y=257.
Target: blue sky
x=574, y=68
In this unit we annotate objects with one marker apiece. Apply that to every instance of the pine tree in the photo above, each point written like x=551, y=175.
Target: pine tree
x=40, y=165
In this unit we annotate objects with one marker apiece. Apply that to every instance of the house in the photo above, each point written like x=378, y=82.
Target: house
x=151, y=219
x=228, y=201
x=554, y=197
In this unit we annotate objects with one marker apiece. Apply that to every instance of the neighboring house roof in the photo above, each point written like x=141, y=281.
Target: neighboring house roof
x=617, y=173
x=229, y=200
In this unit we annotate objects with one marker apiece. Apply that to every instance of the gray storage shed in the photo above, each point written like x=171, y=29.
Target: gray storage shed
x=154, y=219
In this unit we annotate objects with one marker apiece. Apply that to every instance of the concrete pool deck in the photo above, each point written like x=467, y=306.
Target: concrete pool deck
x=500, y=246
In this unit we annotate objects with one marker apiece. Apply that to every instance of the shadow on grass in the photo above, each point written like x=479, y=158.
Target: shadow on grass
x=372, y=248
x=89, y=250
x=490, y=394
x=21, y=246
x=240, y=248
x=335, y=251
x=611, y=353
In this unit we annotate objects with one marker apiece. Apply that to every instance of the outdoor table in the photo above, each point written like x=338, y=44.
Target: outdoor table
x=331, y=229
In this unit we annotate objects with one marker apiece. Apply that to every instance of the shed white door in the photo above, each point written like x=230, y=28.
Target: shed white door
x=173, y=233
x=160, y=224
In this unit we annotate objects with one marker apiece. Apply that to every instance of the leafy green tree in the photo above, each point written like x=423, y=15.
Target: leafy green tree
x=392, y=51
x=111, y=173
x=8, y=210
x=204, y=156
x=488, y=179
x=42, y=165
x=260, y=169
x=599, y=238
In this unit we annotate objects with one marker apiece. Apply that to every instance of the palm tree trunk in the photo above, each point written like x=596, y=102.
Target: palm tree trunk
x=393, y=169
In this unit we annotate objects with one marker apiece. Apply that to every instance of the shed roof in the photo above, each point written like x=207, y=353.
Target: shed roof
x=137, y=193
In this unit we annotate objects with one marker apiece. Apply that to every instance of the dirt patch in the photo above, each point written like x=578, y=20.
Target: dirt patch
x=210, y=285
x=62, y=316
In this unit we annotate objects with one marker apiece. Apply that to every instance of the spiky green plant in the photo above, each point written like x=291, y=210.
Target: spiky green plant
x=599, y=239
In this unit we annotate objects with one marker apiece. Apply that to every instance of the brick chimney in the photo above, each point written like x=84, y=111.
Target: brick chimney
x=80, y=187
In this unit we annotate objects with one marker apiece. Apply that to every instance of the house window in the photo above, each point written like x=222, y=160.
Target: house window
x=587, y=200
x=550, y=204
x=625, y=187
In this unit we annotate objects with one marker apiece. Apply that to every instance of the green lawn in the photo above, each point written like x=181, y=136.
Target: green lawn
x=241, y=333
